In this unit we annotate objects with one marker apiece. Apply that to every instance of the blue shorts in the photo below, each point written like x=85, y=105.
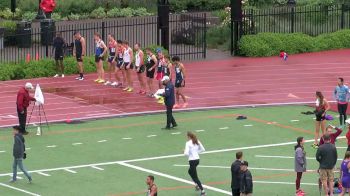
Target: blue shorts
x=120, y=63
x=345, y=182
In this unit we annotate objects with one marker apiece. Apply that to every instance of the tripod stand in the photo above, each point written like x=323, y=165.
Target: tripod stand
x=41, y=113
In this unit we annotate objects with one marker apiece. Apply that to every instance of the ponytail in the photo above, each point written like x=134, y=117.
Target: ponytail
x=193, y=137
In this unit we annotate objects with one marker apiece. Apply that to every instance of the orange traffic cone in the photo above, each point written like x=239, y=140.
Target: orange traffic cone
x=28, y=58
x=37, y=56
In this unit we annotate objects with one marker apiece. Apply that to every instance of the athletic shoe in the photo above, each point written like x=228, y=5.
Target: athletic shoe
x=30, y=180
x=62, y=75
x=97, y=80
x=101, y=81
x=125, y=89
x=197, y=188
x=107, y=83
x=78, y=78
x=203, y=193
x=12, y=181
x=315, y=146
x=161, y=100
x=81, y=78
x=114, y=83
x=185, y=105
x=130, y=90
x=174, y=126
x=176, y=106
x=55, y=76
x=151, y=95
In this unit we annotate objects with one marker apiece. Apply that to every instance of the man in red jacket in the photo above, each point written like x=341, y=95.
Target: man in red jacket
x=23, y=100
x=332, y=135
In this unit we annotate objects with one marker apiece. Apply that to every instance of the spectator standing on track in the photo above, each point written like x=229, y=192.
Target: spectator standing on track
x=236, y=174
x=333, y=136
x=179, y=82
x=169, y=100
x=19, y=155
x=152, y=188
x=79, y=52
x=58, y=54
x=322, y=107
x=341, y=95
x=151, y=64
x=192, y=149
x=100, y=51
x=246, y=180
x=23, y=101
x=140, y=68
x=112, y=48
x=128, y=66
x=300, y=163
x=345, y=174
x=327, y=157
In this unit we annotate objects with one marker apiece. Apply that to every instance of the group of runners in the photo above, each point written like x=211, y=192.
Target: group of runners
x=123, y=61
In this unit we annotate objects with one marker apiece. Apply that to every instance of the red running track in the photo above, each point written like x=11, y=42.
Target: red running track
x=230, y=82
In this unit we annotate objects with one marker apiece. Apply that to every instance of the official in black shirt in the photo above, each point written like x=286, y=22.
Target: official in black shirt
x=58, y=53
x=169, y=99
x=236, y=174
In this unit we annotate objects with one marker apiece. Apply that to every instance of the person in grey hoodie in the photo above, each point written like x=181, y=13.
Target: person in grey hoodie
x=19, y=154
x=300, y=163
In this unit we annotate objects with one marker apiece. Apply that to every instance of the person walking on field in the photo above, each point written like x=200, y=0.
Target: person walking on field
x=58, y=53
x=19, y=155
x=79, y=52
x=327, y=157
x=128, y=66
x=341, y=94
x=100, y=51
x=151, y=64
x=152, y=188
x=236, y=174
x=300, y=164
x=345, y=174
x=180, y=75
x=322, y=106
x=246, y=182
x=140, y=67
x=112, y=48
x=23, y=101
x=192, y=149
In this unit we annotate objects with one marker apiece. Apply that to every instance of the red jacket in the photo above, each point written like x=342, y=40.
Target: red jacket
x=333, y=136
x=23, y=99
x=348, y=136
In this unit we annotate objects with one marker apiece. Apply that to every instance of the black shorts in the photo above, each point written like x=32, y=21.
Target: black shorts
x=110, y=59
x=319, y=116
x=98, y=59
x=58, y=57
x=127, y=64
x=79, y=58
x=119, y=63
x=178, y=83
x=141, y=69
x=149, y=74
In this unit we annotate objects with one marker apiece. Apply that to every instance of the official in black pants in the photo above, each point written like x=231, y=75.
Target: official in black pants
x=169, y=99
x=23, y=100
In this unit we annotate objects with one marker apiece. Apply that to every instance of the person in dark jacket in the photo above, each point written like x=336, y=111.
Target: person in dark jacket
x=236, y=174
x=246, y=183
x=58, y=53
x=23, y=100
x=300, y=163
x=169, y=100
x=19, y=154
x=327, y=157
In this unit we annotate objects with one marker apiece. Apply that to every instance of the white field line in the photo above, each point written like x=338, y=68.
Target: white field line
x=52, y=146
x=176, y=133
x=223, y=128
x=43, y=174
x=19, y=177
x=294, y=120
x=284, y=183
x=98, y=168
x=250, y=168
x=152, y=136
x=160, y=157
x=199, y=130
x=285, y=157
x=342, y=147
x=172, y=177
x=102, y=141
x=18, y=189
x=2, y=151
x=70, y=171
x=127, y=138
x=248, y=125
x=78, y=143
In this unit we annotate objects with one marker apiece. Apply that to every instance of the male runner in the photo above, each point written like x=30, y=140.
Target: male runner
x=57, y=49
x=100, y=51
x=128, y=66
x=79, y=51
x=179, y=82
x=150, y=66
x=140, y=67
x=341, y=94
x=112, y=48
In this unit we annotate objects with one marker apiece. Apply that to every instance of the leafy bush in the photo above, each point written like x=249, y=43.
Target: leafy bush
x=115, y=12
x=126, y=12
x=4, y=4
x=200, y=5
x=217, y=37
x=98, y=13
x=74, y=17
x=270, y=44
x=141, y=12
x=29, y=16
x=7, y=14
x=28, y=5
x=56, y=16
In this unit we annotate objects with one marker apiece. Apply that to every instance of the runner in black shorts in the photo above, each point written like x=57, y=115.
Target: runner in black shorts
x=128, y=66
x=179, y=81
x=151, y=64
x=79, y=51
x=112, y=48
x=120, y=62
x=140, y=67
x=57, y=49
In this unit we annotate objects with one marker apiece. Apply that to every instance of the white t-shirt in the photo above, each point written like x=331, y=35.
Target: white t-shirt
x=193, y=150
x=137, y=59
x=126, y=56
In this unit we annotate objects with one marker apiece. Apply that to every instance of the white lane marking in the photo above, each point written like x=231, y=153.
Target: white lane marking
x=19, y=177
x=251, y=168
x=2, y=151
x=175, y=133
x=102, y=141
x=223, y=128
x=172, y=177
x=98, y=168
x=52, y=146
x=70, y=171
x=285, y=157
x=152, y=136
x=18, y=189
x=199, y=130
x=342, y=147
x=43, y=174
x=248, y=125
x=28, y=148
x=98, y=114
x=284, y=183
x=127, y=138
x=78, y=143
x=294, y=120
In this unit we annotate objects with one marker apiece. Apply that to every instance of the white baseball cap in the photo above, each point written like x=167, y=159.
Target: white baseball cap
x=29, y=85
x=348, y=121
x=165, y=78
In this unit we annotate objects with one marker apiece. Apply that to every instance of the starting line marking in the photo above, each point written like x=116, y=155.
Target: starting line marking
x=18, y=189
x=98, y=168
x=43, y=174
x=102, y=141
x=172, y=177
x=223, y=128
x=70, y=171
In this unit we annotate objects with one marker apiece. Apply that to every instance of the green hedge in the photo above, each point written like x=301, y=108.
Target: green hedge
x=47, y=68
x=270, y=44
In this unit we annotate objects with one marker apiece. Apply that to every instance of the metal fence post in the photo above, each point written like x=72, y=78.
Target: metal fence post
x=103, y=30
x=47, y=42
x=292, y=19
x=342, y=20
x=163, y=22
x=205, y=36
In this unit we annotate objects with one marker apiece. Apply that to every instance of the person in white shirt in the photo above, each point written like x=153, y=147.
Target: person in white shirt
x=193, y=148
x=140, y=67
x=128, y=66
